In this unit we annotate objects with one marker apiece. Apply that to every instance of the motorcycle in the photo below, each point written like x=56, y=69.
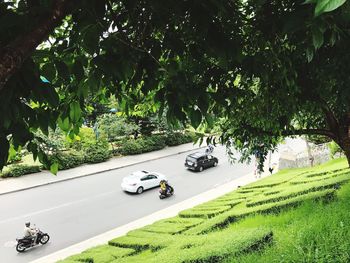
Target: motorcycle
x=166, y=193
x=28, y=242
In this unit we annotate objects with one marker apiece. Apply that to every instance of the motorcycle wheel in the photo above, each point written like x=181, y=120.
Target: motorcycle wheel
x=20, y=247
x=44, y=239
x=161, y=196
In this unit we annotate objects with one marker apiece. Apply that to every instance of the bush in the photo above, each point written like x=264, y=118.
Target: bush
x=142, y=145
x=18, y=170
x=177, y=138
x=97, y=153
x=86, y=138
x=67, y=159
x=153, y=143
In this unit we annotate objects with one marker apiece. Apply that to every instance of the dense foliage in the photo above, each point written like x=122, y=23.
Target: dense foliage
x=268, y=68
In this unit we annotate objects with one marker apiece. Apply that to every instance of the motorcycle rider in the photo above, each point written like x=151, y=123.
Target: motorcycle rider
x=165, y=187
x=209, y=149
x=30, y=232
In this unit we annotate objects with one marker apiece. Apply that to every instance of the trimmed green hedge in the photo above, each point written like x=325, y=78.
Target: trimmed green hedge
x=177, y=138
x=100, y=254
x=152, y=143
x=17, y=170
x=141, y=145
x=96, y=153
x=68, y=159
x=296, y=190
x=224, y=219
x=213, y=247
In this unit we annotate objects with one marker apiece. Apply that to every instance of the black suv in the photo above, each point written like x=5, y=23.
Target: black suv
x=199, y=161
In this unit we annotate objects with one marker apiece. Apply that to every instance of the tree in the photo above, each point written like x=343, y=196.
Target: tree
x=114, y=126
x=268, y=68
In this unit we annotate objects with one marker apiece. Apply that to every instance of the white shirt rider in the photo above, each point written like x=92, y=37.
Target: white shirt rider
x=28, y=231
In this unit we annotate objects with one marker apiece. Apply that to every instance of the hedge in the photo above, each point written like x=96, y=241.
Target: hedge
x=96, y=153
x=67, y=159
x=177, y=138
x=152, y=143
x=17, y=170
x=222, y=220
x=100, y=254
x=213, y=247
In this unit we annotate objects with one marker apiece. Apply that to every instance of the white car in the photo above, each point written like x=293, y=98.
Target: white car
x=139, y=181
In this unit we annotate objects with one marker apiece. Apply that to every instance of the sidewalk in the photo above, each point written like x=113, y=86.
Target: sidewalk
x=162, y=214
x=11, y=185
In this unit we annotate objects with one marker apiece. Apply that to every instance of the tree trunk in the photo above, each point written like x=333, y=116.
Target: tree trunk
x=344, y=144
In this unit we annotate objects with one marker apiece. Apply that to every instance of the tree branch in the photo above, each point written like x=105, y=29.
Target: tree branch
x=14, y=54
x=323, y=132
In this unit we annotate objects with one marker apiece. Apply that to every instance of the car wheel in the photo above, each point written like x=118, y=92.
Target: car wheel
x=215, y=164
x=139, y=190
x=200, y=168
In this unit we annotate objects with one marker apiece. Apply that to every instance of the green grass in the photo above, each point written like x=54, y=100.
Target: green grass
x=297, y=215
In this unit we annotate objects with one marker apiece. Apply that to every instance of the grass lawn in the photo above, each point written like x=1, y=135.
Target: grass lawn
x=296, y=215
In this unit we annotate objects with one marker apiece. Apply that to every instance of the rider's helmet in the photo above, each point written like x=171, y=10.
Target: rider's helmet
x=27, y=224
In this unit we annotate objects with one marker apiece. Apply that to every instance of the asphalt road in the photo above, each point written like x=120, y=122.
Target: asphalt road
x=75, y=210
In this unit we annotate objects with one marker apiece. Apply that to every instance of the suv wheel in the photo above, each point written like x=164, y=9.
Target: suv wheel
x=215, y=164
x=200, y=168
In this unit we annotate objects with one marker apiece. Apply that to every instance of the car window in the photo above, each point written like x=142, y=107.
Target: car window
x=191, y=159
x=151, y=176
x=145, y=178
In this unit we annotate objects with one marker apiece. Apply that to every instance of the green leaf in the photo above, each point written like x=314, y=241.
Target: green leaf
x=62, y=70
x=309, y=54
x=323, y=6
x=12, y=152
x=196, y=118
x=50, y=94
x=75, y=111
x=54, y=168
x=91, y=39
x=317, y=38
x=78, y=70
x=44, y=123
x=64, y=124
x=49, y=71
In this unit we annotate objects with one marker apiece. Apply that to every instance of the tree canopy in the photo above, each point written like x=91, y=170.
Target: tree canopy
x=268, y=69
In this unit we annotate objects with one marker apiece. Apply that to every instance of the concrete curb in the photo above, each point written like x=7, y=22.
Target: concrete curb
x=156, y=216
x=98, y=172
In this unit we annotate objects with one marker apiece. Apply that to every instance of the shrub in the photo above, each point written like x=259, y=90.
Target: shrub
x=153, y=143
x=18, y=170
x=97, y=153
x=86, y=138
x=177, y=138
x=67, y=159
x=141, y=145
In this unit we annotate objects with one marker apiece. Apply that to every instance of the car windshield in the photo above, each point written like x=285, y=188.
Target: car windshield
x=191, y=159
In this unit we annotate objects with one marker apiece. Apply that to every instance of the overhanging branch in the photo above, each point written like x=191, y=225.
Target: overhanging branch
x=14, y=54
x=323, y=132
